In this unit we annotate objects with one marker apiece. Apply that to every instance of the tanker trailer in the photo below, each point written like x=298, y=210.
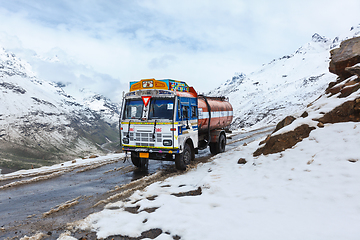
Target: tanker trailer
x=215, y=115
x=167, y=120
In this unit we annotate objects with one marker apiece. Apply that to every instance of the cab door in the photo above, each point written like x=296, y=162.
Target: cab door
x=187, y=118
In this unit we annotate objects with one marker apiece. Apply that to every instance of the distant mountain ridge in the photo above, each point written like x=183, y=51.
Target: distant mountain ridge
x=41, y=124
x=284, y=86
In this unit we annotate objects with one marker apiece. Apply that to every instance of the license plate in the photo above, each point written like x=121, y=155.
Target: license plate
x=143, y=155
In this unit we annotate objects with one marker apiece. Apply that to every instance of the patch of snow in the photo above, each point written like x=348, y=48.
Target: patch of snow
x=66, y=236
x=37, y=236
x=62, y=167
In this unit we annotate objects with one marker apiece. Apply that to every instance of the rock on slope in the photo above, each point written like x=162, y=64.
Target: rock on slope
x=41, y=124
x=284, y=86
x=339, y=103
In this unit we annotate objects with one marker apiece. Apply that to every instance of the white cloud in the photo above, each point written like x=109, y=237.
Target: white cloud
x=162, y=62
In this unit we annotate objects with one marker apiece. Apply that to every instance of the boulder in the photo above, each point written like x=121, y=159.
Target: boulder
x=347, y=55
x=346, y=112
x=286, y=121
x=279, y=143
x=347, y=90
x=334, y=90
x=242, y=161
x=346, y=87
x=355, y=70
x=304, y=115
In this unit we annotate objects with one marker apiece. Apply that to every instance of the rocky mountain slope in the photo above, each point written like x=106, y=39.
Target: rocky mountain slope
x=284, y=86
x=41, y=124
x=339, y=103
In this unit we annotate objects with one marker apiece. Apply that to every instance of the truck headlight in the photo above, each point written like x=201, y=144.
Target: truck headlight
x=125, y=140
x=167, y=142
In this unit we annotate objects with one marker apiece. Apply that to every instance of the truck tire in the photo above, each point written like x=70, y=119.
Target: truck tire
x=213, y=148
x=144, y=164
x=135, y=160
x=222, y=143
x=183, y=160
x=219, y=146
x=141, y=163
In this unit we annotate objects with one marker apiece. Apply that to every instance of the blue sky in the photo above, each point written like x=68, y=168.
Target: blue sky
x=104, y=44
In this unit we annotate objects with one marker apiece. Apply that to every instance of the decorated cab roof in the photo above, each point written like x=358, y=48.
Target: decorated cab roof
x=180, y=87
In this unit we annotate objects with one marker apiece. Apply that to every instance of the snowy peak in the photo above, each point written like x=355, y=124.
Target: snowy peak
x=354, y=32
x=109, y=111
x=11, y=65
x=317, y=38
x=100, y=103
x=238, y=78
x=230, y=85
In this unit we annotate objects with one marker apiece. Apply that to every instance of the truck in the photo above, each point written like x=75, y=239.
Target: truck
x=168, y=120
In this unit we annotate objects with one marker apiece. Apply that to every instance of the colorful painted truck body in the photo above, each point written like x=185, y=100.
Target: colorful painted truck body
x=167, y=120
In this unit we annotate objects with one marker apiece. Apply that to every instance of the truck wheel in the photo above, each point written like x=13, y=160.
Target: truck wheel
x=182, y=160
x=213, y=148
x=144, y=164
x=141, y=163
x=135, y=160
x=218, y=147
x=222, y=143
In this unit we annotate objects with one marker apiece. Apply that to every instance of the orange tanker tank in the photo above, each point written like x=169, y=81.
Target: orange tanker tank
x=214, y=110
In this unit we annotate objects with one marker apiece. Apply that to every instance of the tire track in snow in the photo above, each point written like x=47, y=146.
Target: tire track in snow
x=62, y=206
x=139, y=184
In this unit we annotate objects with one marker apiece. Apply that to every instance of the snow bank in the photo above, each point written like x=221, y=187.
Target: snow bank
x=308, y=192
x=63, y=167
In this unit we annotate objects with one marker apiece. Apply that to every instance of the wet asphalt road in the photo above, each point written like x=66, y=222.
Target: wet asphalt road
x=22, y=207
x=27, y=203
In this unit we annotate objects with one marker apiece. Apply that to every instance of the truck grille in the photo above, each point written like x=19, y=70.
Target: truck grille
x=158, y=137
x=145, y=144
x=142, y=137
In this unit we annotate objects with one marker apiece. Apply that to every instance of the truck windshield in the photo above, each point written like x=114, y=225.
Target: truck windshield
x=133, y=109
x=161, y=108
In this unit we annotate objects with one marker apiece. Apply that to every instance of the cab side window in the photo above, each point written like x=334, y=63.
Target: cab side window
x=194, y=112
x=185, y=112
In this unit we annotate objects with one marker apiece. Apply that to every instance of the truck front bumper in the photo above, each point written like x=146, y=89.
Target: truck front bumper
x=164, y=150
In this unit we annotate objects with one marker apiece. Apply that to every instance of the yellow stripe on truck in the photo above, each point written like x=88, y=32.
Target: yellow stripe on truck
x=124, y=145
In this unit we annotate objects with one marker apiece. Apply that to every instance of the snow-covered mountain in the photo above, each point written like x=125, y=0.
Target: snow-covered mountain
x=108, y=110
x=39, y=120
x=284, y=86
